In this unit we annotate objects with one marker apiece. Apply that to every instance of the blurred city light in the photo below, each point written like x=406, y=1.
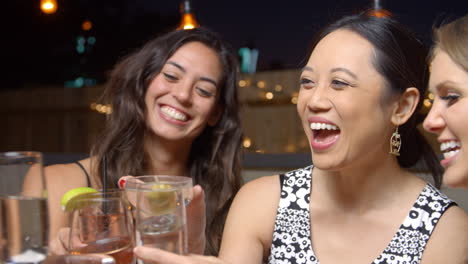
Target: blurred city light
x=242, y=83
x=247, y=143
x=261, y=84
x=49, y=6
x=427, y=103
x=87, y=25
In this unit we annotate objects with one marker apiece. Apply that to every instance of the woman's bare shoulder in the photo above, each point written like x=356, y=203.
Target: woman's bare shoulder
x=257, y=197
x=268, y=186
x=449, y=240
x=70, y=172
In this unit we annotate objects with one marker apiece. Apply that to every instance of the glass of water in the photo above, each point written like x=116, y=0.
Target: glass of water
x=23, y=208
x=161, y=220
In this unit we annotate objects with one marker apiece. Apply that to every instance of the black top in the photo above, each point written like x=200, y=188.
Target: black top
x=88, y=182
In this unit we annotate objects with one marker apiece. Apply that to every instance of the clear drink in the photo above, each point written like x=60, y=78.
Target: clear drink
x=23, y=229
x=120, y=248
x=161, y=219
x=165, y=232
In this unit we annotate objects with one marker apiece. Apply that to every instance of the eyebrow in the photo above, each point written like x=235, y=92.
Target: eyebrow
x=350, y=73
x=445, y=83
x=177, y=65
x=180, y=67
x=308, y=68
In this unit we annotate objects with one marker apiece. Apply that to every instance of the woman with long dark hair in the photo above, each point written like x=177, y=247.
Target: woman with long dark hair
x=175, y=111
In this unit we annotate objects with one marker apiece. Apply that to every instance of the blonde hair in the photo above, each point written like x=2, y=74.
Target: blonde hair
x=452, y=38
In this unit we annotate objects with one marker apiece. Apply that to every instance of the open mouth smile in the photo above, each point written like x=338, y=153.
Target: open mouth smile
x=450, y=148
x=173, y=113
x=324, y=135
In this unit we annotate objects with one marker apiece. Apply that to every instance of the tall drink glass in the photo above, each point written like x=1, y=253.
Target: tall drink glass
x=161, y=219
x=101, y=223
x=23, y=208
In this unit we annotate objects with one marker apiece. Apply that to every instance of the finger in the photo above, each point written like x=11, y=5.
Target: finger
x=59, y=244
x=123, y=180
x=196, y=221
x=70, y=243
x=63, y=236
x=196, y=210
x=56, y=247
x=76, y=243
x=154, y=255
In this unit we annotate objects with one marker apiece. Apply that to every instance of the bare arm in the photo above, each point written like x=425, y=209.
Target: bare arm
x=449, y=240
x=248, y=231
x=249, y=226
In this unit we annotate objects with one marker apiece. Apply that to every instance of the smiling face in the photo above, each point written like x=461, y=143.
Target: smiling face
x=181, y=99
x=448, y=117
x=341, y=103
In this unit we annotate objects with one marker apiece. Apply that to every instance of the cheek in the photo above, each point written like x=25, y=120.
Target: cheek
x=206, y=108
x=301, y=105
x=157, y=86
x=456, y=120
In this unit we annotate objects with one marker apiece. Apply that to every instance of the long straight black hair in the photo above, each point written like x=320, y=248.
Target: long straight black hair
x=401, y=60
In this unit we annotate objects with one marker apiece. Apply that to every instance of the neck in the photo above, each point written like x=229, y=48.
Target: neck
x=363, y=187
x=167, y=158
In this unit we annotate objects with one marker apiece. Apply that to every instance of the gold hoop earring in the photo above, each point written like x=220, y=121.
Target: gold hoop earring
x=395, y=143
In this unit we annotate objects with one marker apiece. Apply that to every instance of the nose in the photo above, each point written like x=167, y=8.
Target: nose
x=319, y=100
x=183, y=92
x=434, y=122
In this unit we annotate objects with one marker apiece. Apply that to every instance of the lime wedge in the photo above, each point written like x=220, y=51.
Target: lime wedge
x=67, y=199
x=162, y=199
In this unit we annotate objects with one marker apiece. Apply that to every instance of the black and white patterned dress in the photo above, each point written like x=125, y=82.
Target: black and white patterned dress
x=291, y=236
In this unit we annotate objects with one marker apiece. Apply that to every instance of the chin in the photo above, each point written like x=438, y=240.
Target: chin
x=457, y=179
x=325, y=164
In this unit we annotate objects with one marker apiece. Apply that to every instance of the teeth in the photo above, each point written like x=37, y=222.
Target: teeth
x=319, y=126
x=171, y=112
x=451, y=153
x=449, y=145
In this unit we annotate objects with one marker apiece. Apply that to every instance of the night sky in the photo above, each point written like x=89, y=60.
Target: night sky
x=40, y=49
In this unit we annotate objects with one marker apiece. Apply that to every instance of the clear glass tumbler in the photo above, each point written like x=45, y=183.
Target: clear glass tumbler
x=101, y=223
x=160, y=216
x=23, y=208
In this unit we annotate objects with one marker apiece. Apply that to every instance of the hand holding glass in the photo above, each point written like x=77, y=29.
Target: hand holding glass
x=160, y=211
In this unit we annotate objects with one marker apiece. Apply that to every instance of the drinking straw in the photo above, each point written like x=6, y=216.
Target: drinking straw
x=104, y=183
x=104, y=174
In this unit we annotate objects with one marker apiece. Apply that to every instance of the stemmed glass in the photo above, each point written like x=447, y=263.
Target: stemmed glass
x=101, y=223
